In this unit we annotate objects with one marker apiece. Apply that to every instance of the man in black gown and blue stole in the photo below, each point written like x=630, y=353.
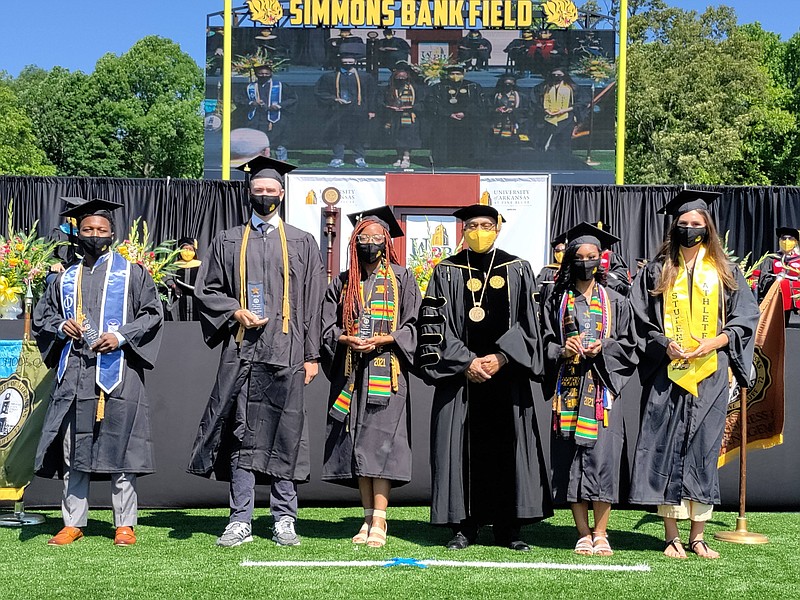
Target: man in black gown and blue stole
x=480, y=347
x=259, y=293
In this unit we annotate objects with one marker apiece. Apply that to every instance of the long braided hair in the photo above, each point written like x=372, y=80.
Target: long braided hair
x=351, y=299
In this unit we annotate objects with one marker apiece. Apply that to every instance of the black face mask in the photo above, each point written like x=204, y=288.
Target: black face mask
x=265, y=205
x=94, y=246
x=691, y=236
x=584, y=270
x=370, y=253
x=262, y=79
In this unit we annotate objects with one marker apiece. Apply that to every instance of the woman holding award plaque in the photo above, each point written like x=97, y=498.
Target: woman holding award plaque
x=368, y=342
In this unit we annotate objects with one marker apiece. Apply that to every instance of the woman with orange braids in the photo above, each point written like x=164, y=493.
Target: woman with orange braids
x=369, y=337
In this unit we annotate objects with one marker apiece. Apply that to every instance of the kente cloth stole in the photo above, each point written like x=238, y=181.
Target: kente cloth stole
x=695, y=314
x=113, y=315
x=380, y=368
x=358, y=86
x=285, y=307
x=407, y=97
x=582, y=402
x=275, y=93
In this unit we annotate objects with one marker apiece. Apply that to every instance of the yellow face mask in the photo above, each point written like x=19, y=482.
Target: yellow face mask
x=457, y=77
x=479, y=240
x=787, y=245
x=559, y=256
x=187, y=255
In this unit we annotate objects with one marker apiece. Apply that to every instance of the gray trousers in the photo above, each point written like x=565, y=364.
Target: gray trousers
x=75, y=501
x=282, y=496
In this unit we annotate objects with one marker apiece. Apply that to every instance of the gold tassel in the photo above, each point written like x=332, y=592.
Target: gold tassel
x=101, y=407
x=395, y=371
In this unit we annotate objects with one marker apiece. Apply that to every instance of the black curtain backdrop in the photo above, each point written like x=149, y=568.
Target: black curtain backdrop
x=201, y=208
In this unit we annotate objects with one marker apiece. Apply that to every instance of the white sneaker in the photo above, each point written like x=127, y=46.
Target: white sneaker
x=361, y=163
x=235, y=534
x=336, y=163
x=284, y=534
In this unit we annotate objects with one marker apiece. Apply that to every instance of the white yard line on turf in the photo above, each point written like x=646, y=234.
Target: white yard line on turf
x=444, y=563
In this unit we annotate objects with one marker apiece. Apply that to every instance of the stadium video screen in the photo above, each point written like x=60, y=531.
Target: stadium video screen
x=539, y=99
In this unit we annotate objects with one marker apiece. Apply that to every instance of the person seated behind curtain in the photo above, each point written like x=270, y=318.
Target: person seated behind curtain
x=685, y=369
x=783, y=266
x=180, y=305
x=474, y=51
x=588, y=345
x=517, y=51
x=369, y=337
x=392, y=50
x=402, y=122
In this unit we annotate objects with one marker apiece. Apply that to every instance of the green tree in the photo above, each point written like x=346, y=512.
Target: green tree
x=702, y=107
x=19, y=153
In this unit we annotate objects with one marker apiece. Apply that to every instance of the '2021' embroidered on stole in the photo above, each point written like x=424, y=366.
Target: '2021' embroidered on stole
x=689, y=316
x=582, y=402
x=381, y=368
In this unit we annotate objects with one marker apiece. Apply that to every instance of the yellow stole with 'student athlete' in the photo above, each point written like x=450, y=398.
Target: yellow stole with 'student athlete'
x=689, y=316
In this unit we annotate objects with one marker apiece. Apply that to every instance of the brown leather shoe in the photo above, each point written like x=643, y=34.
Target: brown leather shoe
x=66, y=536
x=124, y=537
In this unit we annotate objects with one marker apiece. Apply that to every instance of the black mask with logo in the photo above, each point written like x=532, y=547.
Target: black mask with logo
x=264, y=205
x=94, y=246
x=584, y=270
x=370, y=253
x=690, y=236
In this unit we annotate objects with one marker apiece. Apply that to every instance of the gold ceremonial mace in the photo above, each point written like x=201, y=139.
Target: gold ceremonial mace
x=741, y=535
x=19, y=517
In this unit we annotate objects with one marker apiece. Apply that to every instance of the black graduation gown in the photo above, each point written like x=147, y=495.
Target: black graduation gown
x=347, y=124
x=454, y=143
x=515, y=482
x=767, y=276
x=373, y=441
x=121, y=441
x=680, y=435
x=388, y=57
x=581, y=473
x=182, y=305
x=275, y=442
x=65, y=252
x=278, y=131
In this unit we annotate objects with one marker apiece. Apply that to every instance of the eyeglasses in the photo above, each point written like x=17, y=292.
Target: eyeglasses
x=378, y=238
x=476, y=226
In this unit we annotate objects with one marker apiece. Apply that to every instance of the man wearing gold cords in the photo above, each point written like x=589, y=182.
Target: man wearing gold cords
x=480, y=347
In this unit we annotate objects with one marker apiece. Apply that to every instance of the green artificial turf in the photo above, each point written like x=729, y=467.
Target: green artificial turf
x=175, y=557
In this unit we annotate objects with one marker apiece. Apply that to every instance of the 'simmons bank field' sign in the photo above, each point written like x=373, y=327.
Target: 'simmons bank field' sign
x=442, y=85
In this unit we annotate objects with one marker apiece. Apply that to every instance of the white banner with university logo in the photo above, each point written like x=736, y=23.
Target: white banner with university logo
x=524, y=201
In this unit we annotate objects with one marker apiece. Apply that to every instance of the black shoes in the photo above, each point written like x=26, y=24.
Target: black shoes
x=519, y=545
x=459, y=542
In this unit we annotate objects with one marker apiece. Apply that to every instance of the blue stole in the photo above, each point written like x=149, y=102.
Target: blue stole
x=68, y=229
x=275, y=92
x=113, y=315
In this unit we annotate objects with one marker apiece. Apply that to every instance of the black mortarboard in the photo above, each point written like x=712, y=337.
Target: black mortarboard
x=453, y=68
x=96, y=206
x=586, y=233
x=402, y=65
x=604, y=226
x=505, y=76
x=382, y=216
x=478, y=210
x=561, y=238
x=187, y=241
x=790, y=231
x=687, y=200
x=262, y=167
x=72, y=201
x=388, y=30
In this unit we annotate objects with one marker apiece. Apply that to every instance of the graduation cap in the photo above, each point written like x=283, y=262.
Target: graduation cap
x=187, y=241
x=454, y=68
x=478, y=210
x=561, y=238
x=72, y=201
x=350, y=54
x=262, y=167
x=604, y=226
x=687, y=200
x=382, y=215
x=586, y=233
x=402, y=65
x=388, y=30
x=790, y=231
x=97, y=206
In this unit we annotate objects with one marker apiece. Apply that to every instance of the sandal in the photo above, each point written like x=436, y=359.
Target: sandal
x=600, y=545
x=377, y=535
x=363, y=533
x=677, y=545
x=584, y=546
x=706, y=550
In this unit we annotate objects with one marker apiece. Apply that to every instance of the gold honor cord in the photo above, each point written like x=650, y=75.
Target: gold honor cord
x=684, y=317
x=101, y=401
x=243, y=278
x=358, y=84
